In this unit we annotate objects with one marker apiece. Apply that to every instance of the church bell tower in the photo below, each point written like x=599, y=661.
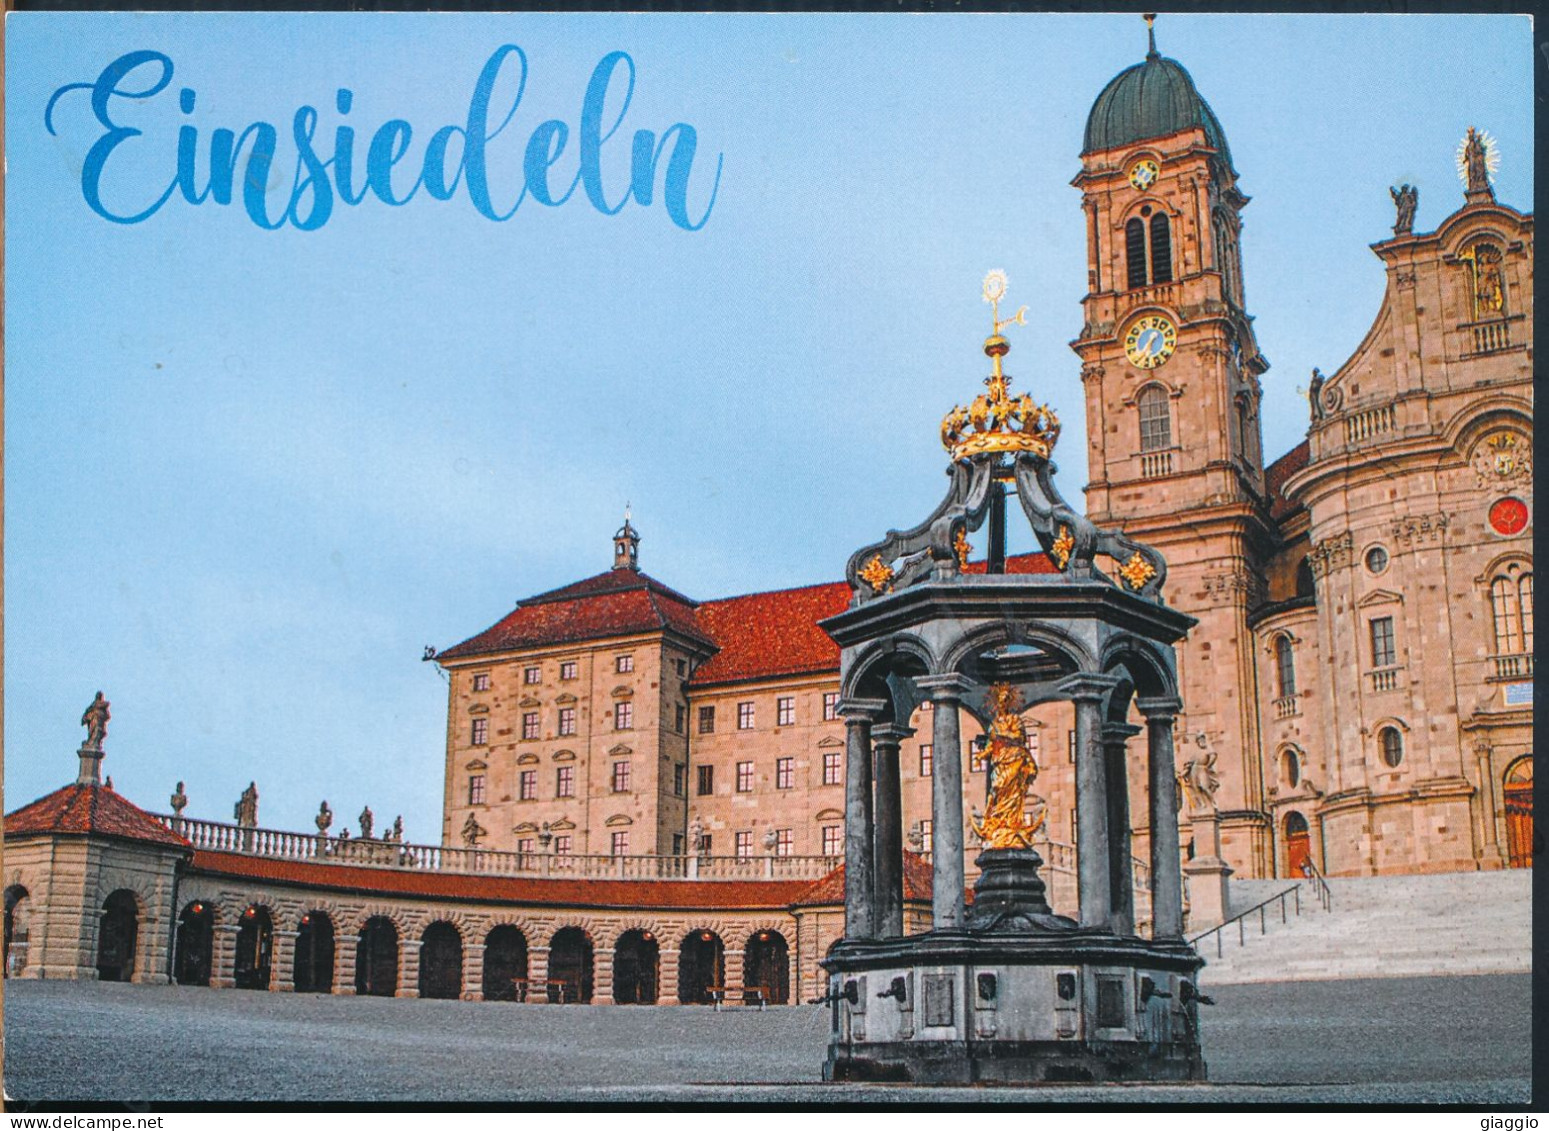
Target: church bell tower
x=1171, y=373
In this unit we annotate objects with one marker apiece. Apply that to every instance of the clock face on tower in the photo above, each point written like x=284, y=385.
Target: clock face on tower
x=1150, y=341
x=1143, y=173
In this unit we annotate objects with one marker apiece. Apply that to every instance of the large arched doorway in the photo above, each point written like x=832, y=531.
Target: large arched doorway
x=766, y=965
x=314, y=954
x=701, y=966
x=17, y=934
x=195, y=944
x=116, y=937
x=570, y=963
x=636, y=960
x=441, y=962
x=505, y=961
x=1517, y=789
x=1298, y=846
x=376, y=959
x=255, y=949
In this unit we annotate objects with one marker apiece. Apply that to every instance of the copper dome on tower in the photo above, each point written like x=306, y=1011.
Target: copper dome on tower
x=1154, y=98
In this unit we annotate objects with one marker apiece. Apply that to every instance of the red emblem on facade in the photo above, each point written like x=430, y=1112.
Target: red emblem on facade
x=1508, y=516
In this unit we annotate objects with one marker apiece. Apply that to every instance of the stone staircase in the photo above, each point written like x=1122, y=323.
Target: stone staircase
x=1379, y=927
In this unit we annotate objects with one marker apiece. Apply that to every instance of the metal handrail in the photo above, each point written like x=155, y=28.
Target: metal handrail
x=1320, y=886
x=1241, y=919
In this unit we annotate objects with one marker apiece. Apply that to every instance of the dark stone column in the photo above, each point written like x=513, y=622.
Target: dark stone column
x=1121, y=872
x=859, y=883
x=946, y=797
x=1093, y=860
x=1166, y=870
x=888, y=838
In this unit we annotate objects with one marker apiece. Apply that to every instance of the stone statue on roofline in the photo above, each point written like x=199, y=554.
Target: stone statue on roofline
x=367, y=823
x=95, y=720
x=472, y=831
x=179, y=800
x=1405, y=198
x=246, y=809
x=397, y=834
x=324, y=819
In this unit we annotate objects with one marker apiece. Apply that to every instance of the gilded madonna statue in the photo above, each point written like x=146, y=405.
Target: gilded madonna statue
x=1012, y=771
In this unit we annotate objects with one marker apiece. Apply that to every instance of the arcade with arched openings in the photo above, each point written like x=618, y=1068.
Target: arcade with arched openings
x=195, y=945
x=570, y=966
x=505, y=962
x=117, y=937
x=255, y=949
x=441, y=962
x=314, y=954
x=766, y=965
x=376, y=958
x=18, y=906
x=701, y=967
x=1517, y=798
x=636, y=968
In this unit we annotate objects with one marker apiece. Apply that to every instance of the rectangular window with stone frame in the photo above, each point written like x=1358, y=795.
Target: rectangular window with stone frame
x=562, y=844
x=625, y=664
x=744, y=844
x=532, y=675
x=744, y=716
x=621, y=777
x=567, y=720
x=524, y=846
x=926, y=836
x=707, y=720
x=785, y=842
x=976, y=756
x=785, y=773
x=527, y=785
x=564, y=781
x=677, y=844
x=830, y=706
x=480, y=735
x=530, y=724
x=744, y=777
x=569, y=670
x=679, y=778
x=481, y=681
x=833, y=767
x=833, y=840
x=706, y=783
x=927, y=759
x=475, y=789
x=624, y=716
x=1384, y=650
x=785, y=711
x=621, y=843
x=679, y=714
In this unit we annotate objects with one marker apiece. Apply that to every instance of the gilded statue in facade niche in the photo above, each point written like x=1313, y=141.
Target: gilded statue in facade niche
x=1012, y=771
x=1489, y=282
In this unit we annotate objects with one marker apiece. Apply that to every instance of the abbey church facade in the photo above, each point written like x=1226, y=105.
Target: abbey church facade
x=1358, y=693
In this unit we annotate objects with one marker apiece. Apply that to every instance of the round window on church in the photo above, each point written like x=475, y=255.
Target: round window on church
x=1392, y=743
x=1376, y=559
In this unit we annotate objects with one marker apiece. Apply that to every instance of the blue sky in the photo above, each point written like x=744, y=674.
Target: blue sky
x=250, y=474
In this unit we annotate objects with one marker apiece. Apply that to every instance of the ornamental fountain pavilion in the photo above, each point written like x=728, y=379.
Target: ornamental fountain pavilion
x=1005, y=990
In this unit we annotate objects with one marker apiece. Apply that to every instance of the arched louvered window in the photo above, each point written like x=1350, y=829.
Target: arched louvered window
x=1161, y=250
x=1285, y=666
x=1155, y=419
x=1511, y=605
x=1135, y=251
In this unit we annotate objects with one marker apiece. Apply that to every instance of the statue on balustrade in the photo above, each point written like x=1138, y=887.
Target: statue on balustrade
x=367, y=823
x=324, y=819
x=1013, y=768
x=246, y=809
x=397, y=834
x=179, y=800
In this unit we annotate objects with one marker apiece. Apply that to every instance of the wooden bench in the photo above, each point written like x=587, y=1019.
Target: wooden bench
x=523, y=986
x=721, y=995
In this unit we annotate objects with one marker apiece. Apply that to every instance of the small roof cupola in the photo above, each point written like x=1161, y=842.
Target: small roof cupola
x=626, y=546
x=1154, y=98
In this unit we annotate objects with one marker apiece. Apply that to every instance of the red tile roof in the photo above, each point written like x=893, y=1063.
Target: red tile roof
x=611, y=604
x=829, y=891
x=89, y=810
x=756, y=636
x=705, y=894
x=1278, y=472
x=767, y=634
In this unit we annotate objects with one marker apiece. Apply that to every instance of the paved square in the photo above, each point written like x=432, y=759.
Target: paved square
x=1398, y=1040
